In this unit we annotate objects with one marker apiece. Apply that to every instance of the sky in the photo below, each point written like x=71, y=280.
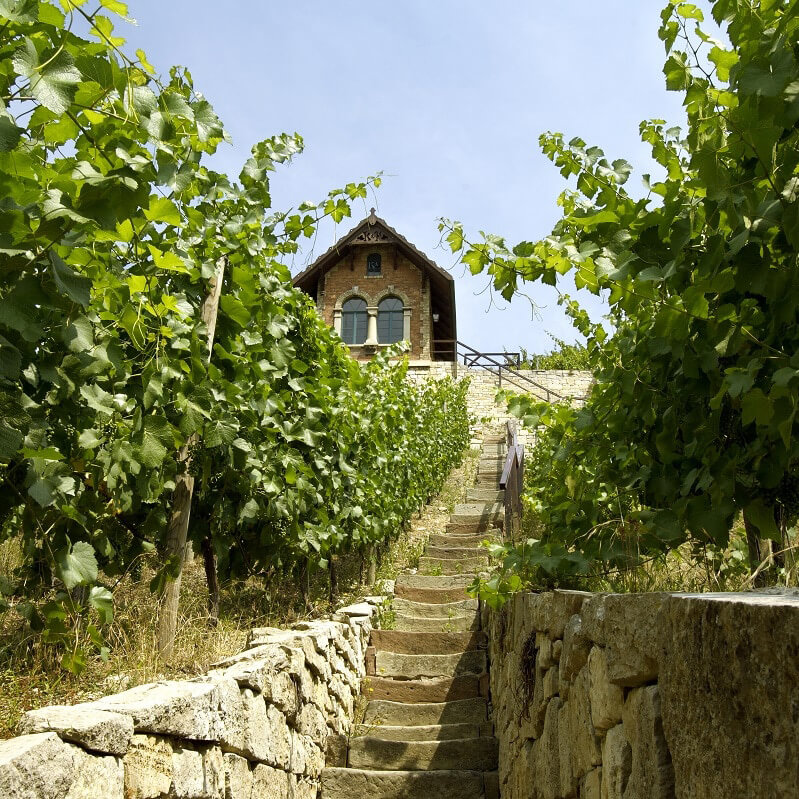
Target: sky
x=446, y=98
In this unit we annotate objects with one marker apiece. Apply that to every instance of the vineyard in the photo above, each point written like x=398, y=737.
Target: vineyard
x=688, y=440
x=161, y=381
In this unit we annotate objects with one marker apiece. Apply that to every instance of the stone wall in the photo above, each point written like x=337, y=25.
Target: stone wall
x=489, y=416
x=257, y=725
x=646, y=696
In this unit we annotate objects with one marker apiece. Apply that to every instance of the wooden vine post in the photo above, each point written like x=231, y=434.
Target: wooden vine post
x=181, y=498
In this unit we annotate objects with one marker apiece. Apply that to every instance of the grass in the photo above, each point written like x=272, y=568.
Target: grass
x=30, y=673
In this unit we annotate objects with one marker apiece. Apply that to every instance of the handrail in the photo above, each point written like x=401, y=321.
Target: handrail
x=512, y=480
x=512, y=375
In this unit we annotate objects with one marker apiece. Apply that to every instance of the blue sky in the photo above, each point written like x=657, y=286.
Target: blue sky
x=447, y=98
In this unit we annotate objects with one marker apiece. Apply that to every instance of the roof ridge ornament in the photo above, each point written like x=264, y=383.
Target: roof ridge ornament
x=372, y=216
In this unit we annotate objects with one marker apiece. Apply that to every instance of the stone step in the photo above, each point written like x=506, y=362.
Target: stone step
x=460, y=711
x=425, y=610
x=438, y=582
x=384, y=755
x=475, y=512
x=438, y=689
x=457, y=552
x=350, y=783
x=438, y=541
x=441, y=625
x=447, y=566
x=491, y=461
x=485, y=495
x=414, y=667
x=430, y=732
x=418, y=643
x=472, y=528
x=430, y=595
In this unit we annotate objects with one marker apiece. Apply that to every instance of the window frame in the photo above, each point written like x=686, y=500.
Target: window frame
x=396, y=317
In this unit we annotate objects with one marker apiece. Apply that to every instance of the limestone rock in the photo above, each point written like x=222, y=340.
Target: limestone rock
x=39, y=766
x=270, y=783
x=651, y=773
x=729, y=677
x=238, y=777
x=99, y=730
x=580, y=750
x=148, y=767
x=616, y=763
x=179, y=708
x=97, y=777
x=575, y=648
x=198, y=774
x=607, y=700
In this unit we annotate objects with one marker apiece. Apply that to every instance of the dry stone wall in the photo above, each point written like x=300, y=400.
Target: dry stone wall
x=257, y=726
x=646, y=696
x=489, y=416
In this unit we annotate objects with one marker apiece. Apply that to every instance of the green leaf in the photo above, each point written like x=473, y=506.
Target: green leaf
x=19, y=10
x=10, y=134
x=76, y=565
x=162, y=209
x=218, y=432
x=102, y=601
x=156, y=434
x=167, y=260
x=75, y=286
x=51, y=83
x=756, y=407
x=79, y=335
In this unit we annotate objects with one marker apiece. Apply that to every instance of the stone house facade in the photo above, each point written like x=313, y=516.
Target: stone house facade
x=375, y=288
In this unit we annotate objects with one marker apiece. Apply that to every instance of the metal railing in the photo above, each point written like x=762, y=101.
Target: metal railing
x=512, y=481
x=504, y=364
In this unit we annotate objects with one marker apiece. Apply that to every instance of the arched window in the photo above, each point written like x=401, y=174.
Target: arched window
x=353, y=321
x=390, y=320
x=373, y=263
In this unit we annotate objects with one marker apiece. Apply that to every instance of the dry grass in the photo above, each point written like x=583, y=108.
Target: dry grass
x=696, y=568
x=30, y=673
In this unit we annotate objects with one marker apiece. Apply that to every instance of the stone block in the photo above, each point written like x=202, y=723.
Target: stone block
x=198, y=774
x=651, y=772
x=238, y=777
x=575, y=648
x=180, y=708
x=580, y=746
x=729, y=682
x=270, y=783
x=97, y=777
x=38, y=766
x=616, y=763
x=607, y=700
x=336, y=750
x=98, y=730
x=148, y=767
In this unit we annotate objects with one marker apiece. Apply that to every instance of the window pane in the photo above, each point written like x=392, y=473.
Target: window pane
x=390, y=321
x=354, y=321
x=373, y=262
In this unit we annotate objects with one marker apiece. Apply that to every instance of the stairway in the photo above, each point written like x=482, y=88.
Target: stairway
x=426, y=732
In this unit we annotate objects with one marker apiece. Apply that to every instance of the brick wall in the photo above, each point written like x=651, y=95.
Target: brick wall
x=399, y=278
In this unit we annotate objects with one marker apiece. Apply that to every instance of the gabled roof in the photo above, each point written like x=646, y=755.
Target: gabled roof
x=368, y=231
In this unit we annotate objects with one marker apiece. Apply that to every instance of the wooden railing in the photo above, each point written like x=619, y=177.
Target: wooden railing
x=504, y=364
x=512, y=482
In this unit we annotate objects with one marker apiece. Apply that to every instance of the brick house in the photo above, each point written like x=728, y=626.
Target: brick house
x=375, y=288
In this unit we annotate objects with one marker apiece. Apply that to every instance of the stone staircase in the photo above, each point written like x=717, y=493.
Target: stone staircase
x=426, y=732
